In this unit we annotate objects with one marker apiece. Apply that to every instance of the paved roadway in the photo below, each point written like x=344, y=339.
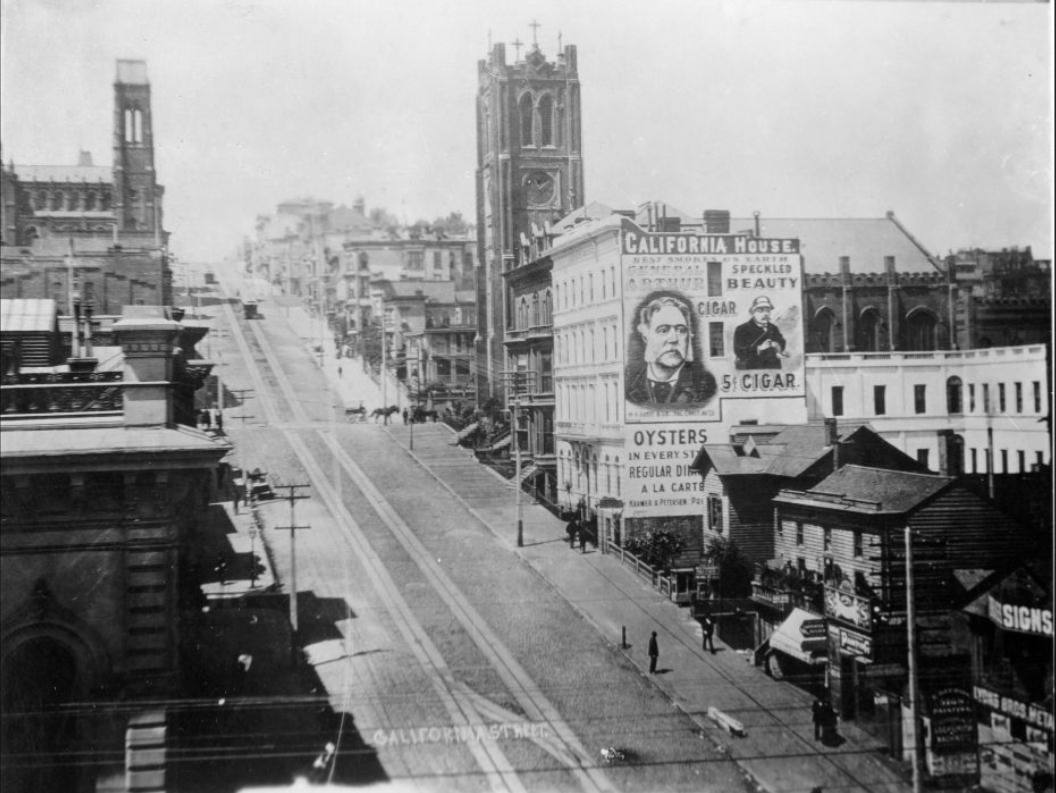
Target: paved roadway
x=421, y=617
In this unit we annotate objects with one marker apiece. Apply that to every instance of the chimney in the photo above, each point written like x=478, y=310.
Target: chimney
x=147, y=335
x=84, y=158
x=832, y=438
x=716, y=221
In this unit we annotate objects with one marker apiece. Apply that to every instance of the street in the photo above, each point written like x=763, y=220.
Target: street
x=462, y=662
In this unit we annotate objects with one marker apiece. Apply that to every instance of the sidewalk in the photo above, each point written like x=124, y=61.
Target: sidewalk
x=345, y=375
x=777, y=749
x=234, y=537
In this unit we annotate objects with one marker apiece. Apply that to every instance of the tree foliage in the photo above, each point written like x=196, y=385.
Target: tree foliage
x=735, y=571
x=657, y=549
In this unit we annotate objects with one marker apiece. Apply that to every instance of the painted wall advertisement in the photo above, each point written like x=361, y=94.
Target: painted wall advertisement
x=708, y=317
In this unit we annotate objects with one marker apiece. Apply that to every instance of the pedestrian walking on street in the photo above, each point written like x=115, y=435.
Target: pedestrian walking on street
x=654, y=653
x=583, y=541
x=573, y=526
x=708, y=627
x=220, y=421
x=817, y=712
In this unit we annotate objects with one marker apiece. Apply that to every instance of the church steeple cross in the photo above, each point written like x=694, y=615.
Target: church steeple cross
x=535, y=33
x=517, y=44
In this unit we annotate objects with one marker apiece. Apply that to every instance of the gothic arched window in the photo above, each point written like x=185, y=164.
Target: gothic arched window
x=823, y=331
x=57, y=200
x=920, y=330
x=89, y=201
x=954, y=402
x=867, y=337
x=546, y=120
x=527, y=109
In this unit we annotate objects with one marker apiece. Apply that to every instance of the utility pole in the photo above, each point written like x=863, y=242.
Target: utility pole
x=240, y=395
x=516, y=384
x=292, y=497
x=914, y=693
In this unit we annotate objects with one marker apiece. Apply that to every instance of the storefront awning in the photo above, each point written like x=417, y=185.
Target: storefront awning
x=801, y=636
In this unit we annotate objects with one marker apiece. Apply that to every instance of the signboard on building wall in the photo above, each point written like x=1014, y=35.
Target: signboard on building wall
x=708, y=317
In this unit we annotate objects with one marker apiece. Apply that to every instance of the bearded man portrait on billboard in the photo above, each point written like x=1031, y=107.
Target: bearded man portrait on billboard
x=664, y=369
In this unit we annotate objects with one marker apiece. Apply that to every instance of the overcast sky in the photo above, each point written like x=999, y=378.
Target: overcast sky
x=941, y=112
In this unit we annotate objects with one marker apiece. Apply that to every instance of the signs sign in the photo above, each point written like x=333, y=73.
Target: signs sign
x=844, y=605
x=1021, y=619
x=708, y=317
x=1032, y=714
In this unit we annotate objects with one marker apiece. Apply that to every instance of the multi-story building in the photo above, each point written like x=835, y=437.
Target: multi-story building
x=530, y=360
x=529, y=175
x=92, y=231
x=105, y=494
x=958, y=412
x=850, y=532
x=1005, y=627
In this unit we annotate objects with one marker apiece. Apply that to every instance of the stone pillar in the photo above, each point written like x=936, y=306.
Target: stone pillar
x=894, y=323
x=847, y=303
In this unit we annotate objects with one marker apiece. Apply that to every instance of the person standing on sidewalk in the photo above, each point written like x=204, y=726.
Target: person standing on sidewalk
x=708, y=626
x=817, y=712
x=573, y=525
x=654, y=653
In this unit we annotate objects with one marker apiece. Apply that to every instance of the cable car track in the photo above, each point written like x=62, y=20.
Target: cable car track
x=562, y=744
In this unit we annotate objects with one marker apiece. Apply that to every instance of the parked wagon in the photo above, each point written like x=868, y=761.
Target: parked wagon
x=250, y=309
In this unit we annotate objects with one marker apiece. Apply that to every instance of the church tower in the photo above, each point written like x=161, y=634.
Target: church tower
x=137, y=195
x=529, y=174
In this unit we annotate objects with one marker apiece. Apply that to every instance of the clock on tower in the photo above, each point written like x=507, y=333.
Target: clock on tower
x=540, y=188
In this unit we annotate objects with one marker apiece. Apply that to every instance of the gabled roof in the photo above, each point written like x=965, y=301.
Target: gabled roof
x=804, y=445
x=856, y=488
x=790, y=452
x=822, y=241
x=28, y=315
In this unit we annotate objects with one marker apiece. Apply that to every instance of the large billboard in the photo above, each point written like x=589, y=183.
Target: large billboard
x=708, y=317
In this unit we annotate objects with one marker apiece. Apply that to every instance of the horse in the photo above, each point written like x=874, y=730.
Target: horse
x=384, y=413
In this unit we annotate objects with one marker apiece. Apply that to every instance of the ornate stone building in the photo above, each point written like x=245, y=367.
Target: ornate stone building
x=105, y=492
x=91, y=230
x=529, y=175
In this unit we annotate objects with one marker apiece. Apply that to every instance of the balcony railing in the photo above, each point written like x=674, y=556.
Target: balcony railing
x=51, y=393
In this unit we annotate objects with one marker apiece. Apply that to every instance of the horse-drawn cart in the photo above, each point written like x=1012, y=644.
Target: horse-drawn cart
x=253, y=485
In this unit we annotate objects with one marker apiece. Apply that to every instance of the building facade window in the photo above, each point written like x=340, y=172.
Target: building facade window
x=1019, y=397
x=546, y=120
x=920, y=401
x=1021, y=458
x=823, y=331
x=867, y=334
x=827, y=539
x=971, y=398
x=859, y=549
x=920, y=331
x=880, y=400
x=1001, y=398
x=716, y=340
x=1004, y=461
x=837, y=400
x=953, y=396
x=527, y=112
x=922, y=457
x=986, y=398
x=1037, y=397
x=799, y=532
x=975, y=461
x=714, y=279
x=715, y=514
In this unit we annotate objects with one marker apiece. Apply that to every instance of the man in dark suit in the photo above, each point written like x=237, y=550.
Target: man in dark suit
x=758, y=344
x=667, y=376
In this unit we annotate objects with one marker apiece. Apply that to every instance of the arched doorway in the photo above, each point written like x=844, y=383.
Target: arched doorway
x=40, y=676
